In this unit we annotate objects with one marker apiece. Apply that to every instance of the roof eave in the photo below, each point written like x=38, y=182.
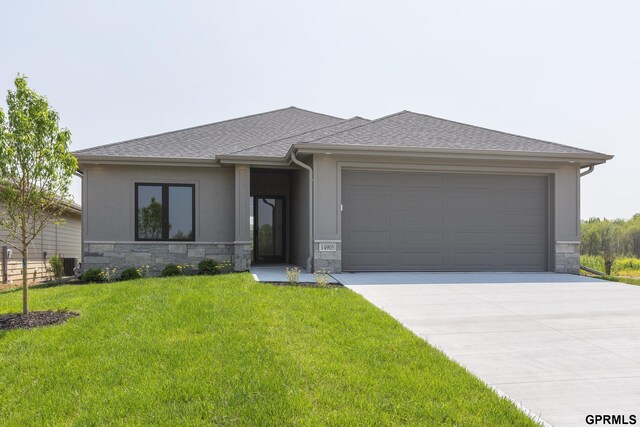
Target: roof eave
x=233, y=159
x=145, y=161
x=585, y=159
x=74, y=208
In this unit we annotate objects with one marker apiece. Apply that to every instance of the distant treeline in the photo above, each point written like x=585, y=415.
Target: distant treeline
x=611, y=238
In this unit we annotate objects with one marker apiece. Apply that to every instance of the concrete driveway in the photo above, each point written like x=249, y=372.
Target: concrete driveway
x=562, y=346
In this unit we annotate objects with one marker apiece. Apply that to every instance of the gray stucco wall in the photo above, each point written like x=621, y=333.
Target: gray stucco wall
x=108, y=198
x=299, y=236
x=108, y=202
x=564, y=194
x=109, y=218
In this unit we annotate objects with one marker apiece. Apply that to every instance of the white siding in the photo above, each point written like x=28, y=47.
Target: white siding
x=63, y=240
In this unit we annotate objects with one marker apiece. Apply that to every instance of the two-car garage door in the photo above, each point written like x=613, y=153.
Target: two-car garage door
x=405, y=221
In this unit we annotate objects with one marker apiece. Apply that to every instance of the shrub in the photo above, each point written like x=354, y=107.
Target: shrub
x=208, y=266
x=186, y=269
x=109, y=274
x=130, y=273
x=293, y=275
x=94, y=275
x=171, y=270
x=143, y=271
x=322, y=278
x=225, y=267
x=56, y=266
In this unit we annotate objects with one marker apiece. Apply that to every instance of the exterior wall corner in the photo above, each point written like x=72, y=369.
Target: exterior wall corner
x=327, y=261
x=241, y=256
x=567, y=257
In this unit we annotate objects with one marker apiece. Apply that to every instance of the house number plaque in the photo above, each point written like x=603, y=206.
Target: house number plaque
x=327, y=247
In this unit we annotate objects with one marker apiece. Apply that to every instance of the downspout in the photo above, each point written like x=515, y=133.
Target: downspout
x=310, y=170
x=582, y=267
x=588, y=171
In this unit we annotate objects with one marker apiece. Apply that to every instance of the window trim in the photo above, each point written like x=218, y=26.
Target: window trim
x=165, y=211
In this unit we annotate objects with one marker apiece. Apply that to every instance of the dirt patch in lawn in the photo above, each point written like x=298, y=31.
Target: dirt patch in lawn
x=34, y=319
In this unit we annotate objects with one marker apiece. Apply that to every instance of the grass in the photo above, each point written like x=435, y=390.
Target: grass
x=624, y=270
x=228, y=351
x=628, y=280
x=627, y=266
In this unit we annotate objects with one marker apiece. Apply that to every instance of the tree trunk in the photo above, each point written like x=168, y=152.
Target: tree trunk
x=607, y=267
x=25, y=288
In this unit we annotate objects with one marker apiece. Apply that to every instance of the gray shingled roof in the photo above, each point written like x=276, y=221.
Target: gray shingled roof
x=273, y=133
x=280, y=147
x=408, y=129
x=207, y=141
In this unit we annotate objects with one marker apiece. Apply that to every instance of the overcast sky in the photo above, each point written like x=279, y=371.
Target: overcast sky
x=564, y=71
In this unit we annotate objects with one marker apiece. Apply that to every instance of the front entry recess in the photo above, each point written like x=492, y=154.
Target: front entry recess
x=269, y=229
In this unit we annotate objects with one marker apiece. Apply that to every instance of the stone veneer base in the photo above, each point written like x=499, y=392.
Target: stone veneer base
x=568, y=257
x=157, y=255
x=327, y=261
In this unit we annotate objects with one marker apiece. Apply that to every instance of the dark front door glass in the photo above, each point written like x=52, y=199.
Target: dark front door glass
x=268, y=234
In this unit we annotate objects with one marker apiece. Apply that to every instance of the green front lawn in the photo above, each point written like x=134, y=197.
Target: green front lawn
x=228, y=351
x=627, y=280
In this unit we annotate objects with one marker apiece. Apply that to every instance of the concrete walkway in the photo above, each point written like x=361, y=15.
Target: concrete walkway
x=562, y=346
x=277, y=273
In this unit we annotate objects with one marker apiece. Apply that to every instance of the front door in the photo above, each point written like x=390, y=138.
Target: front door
x=269, y=229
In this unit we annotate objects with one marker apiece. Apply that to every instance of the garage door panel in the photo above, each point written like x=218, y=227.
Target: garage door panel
x=523, y=259
x=518, y=239
x=370, y=199
x=368, y=238
x=462, y=239
x=415, y=199
x=374, y=220
x=421, y=238
x=417, y=219
x=443, y=222
x=426, y=260
x=474, y=260
x=368, y=261
x=479, y=200
x=418, y=180
x=525, y=222
x=471, y=221
x=357, y=178
x=527, y=183
x=514, y=202
x=461, y=182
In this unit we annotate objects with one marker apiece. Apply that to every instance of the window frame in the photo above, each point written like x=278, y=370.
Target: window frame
x=165, y=211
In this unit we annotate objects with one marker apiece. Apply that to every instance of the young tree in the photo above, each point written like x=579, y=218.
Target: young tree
x=36, y=169
x=610, y=242
x=590, y=237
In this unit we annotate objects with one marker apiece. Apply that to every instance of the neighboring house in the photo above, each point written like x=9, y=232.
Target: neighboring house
x=63, y=240
x=406, y=192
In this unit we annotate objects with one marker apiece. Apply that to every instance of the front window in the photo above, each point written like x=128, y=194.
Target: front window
x=165, y=212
